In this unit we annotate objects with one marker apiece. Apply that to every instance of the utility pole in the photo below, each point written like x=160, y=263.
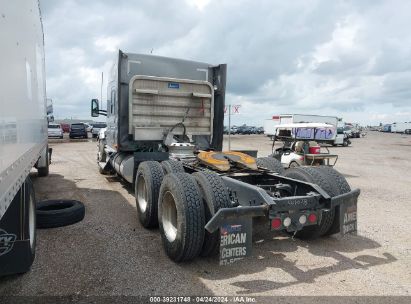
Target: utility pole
x=229, y=127
x=101, y=92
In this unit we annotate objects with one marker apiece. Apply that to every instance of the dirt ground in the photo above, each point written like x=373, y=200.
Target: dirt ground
x=110, y=253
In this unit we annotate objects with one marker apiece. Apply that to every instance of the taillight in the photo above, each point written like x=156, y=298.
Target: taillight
x=276, y=223
x=312, y=218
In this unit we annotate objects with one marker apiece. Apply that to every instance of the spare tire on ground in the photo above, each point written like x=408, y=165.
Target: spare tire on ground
x=58, y=213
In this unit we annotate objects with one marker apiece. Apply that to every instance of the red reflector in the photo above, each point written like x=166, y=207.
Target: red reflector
x=276, y=223
x=312, y=218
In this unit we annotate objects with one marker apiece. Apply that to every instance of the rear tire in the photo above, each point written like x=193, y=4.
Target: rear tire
x=146, y=188
x=271, y=164
x=181, y=217
x=172, y=166
x=30, y=225
x=215, y=196
x=316, y=176
x=294, y=164
x=341, y=186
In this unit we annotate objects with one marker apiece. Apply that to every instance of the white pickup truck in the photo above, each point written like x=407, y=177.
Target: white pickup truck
x=23, y=131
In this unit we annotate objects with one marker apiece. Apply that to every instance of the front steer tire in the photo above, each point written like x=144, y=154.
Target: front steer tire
x=316, y=176
x=271, y=164
x=215, y=196
x=146, y=188
x=181, y=217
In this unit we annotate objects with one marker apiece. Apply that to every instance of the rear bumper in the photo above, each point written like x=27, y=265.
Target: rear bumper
x=311, y=202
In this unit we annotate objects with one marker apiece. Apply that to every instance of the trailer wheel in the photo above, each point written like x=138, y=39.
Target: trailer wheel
x=172, y=166
x=146, y=188
x=181, y=217
x=215, y=196
x=316, y=176
x=30, y=226
x=271, y=164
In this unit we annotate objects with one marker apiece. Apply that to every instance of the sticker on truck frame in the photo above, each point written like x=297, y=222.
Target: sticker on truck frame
x=235, y=240
x=6, y=242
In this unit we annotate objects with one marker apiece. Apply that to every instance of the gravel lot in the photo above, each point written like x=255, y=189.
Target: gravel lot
x=109, y=253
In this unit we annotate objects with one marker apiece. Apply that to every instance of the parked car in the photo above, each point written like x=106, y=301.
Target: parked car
x=54, y=130
x=96, y=128
x=386, y=128
x=234, y=130
x=89, y=127
x=245, y=130
x=65, y=127
x=78, y=130
x=407, y=131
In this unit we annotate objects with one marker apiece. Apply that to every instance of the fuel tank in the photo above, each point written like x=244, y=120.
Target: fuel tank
x=123, y=163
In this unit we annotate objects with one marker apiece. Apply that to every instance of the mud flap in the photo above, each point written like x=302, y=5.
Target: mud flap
x=348, y=218
x=14, y=246
x=235, y=240
x=345, y=221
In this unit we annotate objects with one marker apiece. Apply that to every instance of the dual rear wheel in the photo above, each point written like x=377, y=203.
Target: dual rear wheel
x=180, y=204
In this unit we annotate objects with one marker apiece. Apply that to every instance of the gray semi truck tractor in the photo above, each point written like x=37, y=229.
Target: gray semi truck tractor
x=164, y=135
x=23, y=131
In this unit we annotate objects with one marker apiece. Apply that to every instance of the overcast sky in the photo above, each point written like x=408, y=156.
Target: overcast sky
x=345, y=58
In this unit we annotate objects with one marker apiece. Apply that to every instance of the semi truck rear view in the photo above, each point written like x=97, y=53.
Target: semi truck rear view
x=23, y=131
x=164, y=135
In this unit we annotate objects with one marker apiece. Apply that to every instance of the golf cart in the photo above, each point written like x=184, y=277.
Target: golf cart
x=301, y=144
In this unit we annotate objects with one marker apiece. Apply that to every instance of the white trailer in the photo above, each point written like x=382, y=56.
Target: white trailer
x=302, y=118
x=400, y=127
x=23, y=130
x=269, y=125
